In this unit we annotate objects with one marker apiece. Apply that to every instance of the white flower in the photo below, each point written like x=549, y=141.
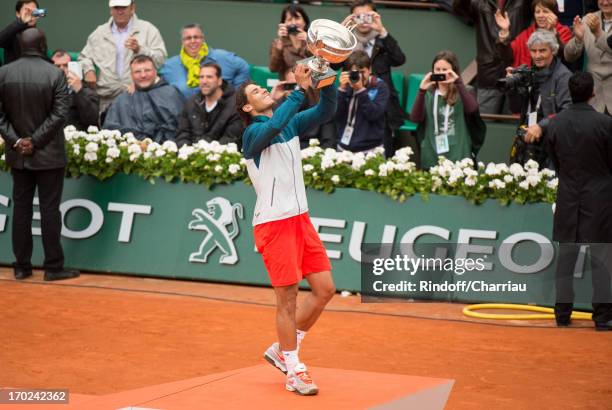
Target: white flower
x=170, y=146
x=508, y=179
x=437, y=183
x=213, y=157
x=533, y=180
x=455, y=175
x=123, y=144
x=554, y=207
x=243, y=161
x=369, y=172
x=470, y=180
x=548, y=173
x=113, y=152
x=313, y=142
x=382, y=170
x=91, y=147
x=553, y=183
x=517, y=170
x=185, y=152
x=308, y=167
x=231, y=148
x=92, y=129
x=497, y=184
x=358, y=161
x=135, y=149
x=147, y=155
x=314, y=175
x=524, y=185
x=218, y=168
x=492, y=169
x=108, y=160
x=76, y=150
x=335, y=179
x=3, y=157
x=406, y=151
x=470, y=172
x=326, y=163
x=531, y=164
x=134, y=157
x=152, y=146
x=129, y=137
x=466, y=163
x=233, y=168
x=160, y=153
x=90, y=156
x=70, y=128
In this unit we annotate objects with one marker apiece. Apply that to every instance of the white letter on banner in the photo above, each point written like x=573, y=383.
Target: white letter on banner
x=357, y=240
x=127, y=219
x=547, y=252
x=4, y=201
x=410, y=237
x=97, y=218
x=327, y=237
x=36, y=230
x=464, y=247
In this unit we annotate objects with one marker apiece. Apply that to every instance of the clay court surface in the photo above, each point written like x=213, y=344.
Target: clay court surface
x=98, y=335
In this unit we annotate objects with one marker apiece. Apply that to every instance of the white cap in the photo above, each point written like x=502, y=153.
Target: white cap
x=119, y=3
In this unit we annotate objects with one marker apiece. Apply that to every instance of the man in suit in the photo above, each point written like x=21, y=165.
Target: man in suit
x=34, y=104
x=580, y=142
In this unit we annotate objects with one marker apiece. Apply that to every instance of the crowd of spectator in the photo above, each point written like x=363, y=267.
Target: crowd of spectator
x=124, y=79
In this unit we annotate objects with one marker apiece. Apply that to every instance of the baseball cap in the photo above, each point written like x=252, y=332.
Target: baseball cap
x=119, y=3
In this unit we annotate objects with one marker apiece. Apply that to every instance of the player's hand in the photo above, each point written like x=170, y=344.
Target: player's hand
x=303, y=76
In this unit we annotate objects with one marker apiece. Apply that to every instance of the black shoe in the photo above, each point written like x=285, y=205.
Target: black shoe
x=60, y=275
x=564, y=323
x=602, y=326
x=21, y=274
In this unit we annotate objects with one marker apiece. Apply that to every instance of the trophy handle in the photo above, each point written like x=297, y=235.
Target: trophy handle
x=351, y=26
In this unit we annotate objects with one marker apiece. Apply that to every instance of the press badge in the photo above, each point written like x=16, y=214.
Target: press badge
x=347, y=135
x=442, y=144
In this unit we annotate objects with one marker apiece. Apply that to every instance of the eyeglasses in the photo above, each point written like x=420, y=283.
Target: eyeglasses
x=190, y=38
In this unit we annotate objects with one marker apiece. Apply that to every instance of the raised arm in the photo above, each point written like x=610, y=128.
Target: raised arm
x=319, y=114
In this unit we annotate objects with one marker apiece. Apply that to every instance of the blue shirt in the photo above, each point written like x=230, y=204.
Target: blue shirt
x=234, y=70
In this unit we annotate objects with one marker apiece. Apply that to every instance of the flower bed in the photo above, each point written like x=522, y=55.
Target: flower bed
x=102, y=154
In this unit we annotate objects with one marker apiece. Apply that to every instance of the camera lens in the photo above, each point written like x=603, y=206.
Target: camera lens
x=354, y=76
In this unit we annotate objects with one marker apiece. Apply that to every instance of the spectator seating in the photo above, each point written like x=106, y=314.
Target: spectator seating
x=414, y=81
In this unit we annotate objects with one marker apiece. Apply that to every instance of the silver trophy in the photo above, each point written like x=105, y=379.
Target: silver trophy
x=330, y=43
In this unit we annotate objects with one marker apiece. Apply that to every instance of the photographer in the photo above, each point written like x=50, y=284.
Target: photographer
x=538, y=94
x=384, y=53
x=447, y=114
x=8, y=37
x=290, y=45
x=362, y=105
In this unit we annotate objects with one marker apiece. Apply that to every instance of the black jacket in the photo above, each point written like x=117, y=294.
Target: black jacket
x=490, y=66
x=84, y=108
x=222, y=124
x=580, y=143
x=34, y=102
x=386, y=54
x=9, y=40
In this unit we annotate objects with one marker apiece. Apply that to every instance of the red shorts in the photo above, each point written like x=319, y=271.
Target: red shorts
x=291, y=249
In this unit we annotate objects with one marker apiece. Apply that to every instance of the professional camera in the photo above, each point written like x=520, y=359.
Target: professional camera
x=363, y=18
x=292, y=29
x=39, y=13
x=354, y=76
x=520, y=81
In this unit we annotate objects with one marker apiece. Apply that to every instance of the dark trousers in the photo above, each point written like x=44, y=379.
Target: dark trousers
x=601, y=260
x=50, y=184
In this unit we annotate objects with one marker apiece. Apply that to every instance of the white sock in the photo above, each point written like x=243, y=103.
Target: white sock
x=300, y=334
x=291, y=359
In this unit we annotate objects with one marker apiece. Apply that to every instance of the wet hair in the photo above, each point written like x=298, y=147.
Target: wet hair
x=451, y=58
x=21, y=3
x=241, y=101
x=295, y=11
x=359, y=3
x=216, y=66
x=551, y=5
x=581, y=86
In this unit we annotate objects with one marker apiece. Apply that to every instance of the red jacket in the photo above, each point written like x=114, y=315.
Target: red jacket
x=520, y=50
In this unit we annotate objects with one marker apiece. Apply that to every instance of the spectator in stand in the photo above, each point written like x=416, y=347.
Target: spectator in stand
x=211, y=114
x=290, y=45
x=447, y=113
x=490, y=66
x=85, y=102
x=362, y=105
x=183, y=70
x=545, y=15
x=325, y=133
x=112, y=46
x=590, y=38
x=152, y=110
x=9, y=36
x=384, y=52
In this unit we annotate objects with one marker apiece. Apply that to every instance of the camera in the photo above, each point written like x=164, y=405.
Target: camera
x=39, y=13
x=438, y=77
x=354, y=76
x=520, y=81
x=290, y=86
x=292, y=29
x=363, y=18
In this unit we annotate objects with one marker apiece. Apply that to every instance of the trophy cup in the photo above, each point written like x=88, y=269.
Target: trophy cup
x=330, y=43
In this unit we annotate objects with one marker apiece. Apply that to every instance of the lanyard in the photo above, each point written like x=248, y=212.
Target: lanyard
x=538, y=103
x=352, y=111
x=446, y=115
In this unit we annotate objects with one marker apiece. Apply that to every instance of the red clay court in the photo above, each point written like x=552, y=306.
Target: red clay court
x=117, y=342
